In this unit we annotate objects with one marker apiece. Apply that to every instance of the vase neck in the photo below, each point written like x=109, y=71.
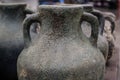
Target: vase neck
x=61, y=21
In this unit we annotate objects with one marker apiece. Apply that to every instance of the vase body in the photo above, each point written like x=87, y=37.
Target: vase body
x=61, y=52
x=11, y=38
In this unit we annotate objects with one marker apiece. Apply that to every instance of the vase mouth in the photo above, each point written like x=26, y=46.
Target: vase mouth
x=12, y=4
x=65, y=6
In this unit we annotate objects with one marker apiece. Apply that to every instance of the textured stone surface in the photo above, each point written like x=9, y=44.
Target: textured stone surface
x=61, y=52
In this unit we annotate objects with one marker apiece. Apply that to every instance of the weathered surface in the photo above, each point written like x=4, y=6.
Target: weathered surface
x=61, y=52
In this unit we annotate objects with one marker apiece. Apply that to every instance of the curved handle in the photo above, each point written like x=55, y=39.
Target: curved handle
x=26, y=27
x=94, y=26
x=101, y=20
x=112, y=23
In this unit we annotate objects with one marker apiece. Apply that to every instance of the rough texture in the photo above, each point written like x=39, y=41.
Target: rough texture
x=61, y=52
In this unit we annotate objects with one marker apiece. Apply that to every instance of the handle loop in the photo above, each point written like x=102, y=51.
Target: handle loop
x=101, y=20
x=94, y=26
x=26, y=27
x=112, y=23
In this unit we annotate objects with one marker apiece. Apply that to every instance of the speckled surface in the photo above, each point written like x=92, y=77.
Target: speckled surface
x=62, y=52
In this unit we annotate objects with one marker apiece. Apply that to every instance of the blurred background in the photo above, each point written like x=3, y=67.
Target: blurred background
x=109, y=5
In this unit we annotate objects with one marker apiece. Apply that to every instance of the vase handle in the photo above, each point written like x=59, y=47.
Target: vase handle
x=101, y=20
x=112, y=23
x=28, y=11
x=26, y=27
x=94, y=26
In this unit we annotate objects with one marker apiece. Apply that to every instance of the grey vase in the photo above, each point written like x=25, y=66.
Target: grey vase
x=102, y=42
x=11, y=38
x=61, y=52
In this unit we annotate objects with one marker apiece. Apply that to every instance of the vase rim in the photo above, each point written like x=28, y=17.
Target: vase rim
x=66, y=6
x=61, y=6
x=13, y=4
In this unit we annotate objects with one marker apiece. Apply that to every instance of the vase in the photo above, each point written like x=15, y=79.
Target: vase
x=11, y=38
x=62, y=51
